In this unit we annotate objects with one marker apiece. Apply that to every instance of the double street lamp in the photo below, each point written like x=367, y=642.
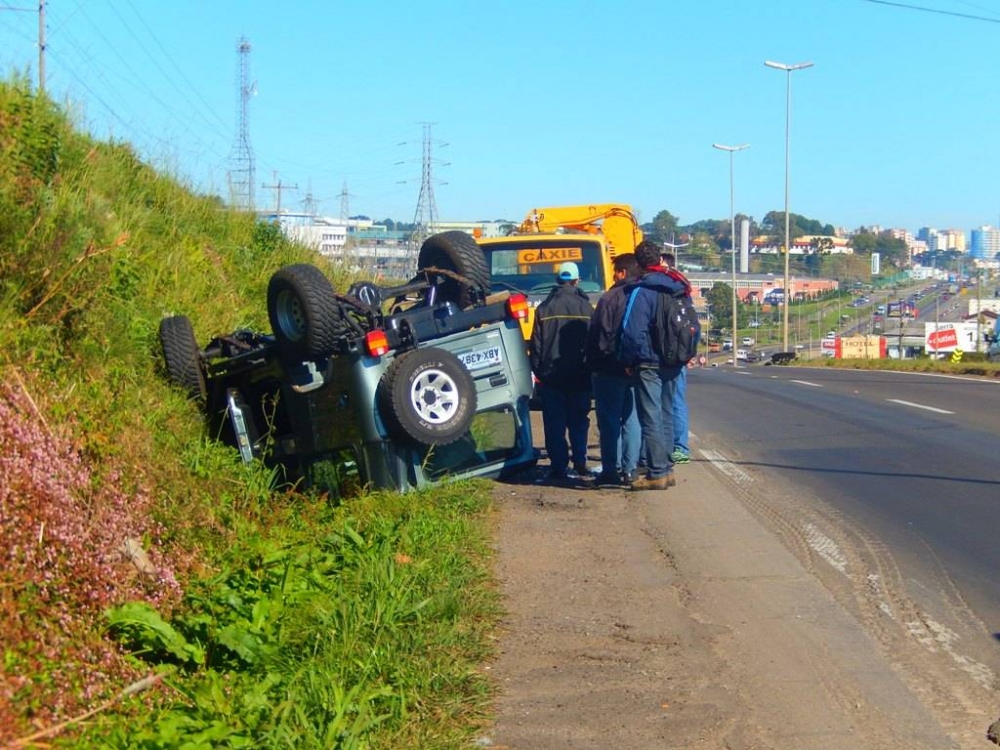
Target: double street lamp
x=789, y=69
x=732, y=229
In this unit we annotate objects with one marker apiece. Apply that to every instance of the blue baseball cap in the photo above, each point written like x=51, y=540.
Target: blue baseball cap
x=568, y=271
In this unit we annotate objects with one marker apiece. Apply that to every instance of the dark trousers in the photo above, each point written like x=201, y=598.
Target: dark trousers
x=562, y=412
x=653, y=397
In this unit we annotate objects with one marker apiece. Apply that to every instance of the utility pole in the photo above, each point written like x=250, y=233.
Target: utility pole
x=41, y=46
x=41, y=39
x=979, y=307
x=278, y=186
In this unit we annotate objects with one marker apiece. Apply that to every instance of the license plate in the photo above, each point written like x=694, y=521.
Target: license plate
x=479, y=358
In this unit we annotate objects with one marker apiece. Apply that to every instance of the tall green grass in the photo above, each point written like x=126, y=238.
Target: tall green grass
x=275, y=618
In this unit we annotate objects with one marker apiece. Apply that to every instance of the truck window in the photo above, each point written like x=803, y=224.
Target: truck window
x=530, y=266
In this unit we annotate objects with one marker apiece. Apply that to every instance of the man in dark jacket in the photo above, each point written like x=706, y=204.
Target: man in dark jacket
x=557, y=359
x=614, y=390
x=654, y=379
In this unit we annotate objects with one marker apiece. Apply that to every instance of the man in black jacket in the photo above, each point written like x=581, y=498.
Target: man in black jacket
x=557, y=359
x=614, y=390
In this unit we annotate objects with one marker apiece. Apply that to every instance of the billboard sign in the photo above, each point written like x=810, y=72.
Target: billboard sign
x=947, y=337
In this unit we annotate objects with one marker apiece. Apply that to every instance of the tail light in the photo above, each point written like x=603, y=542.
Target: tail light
x=376, y=343
x=517, y=307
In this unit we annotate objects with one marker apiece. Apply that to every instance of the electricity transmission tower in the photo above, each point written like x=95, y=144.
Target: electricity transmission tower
x=345, y=203
x=241, y=161
x=425, y=218
x=309, y=202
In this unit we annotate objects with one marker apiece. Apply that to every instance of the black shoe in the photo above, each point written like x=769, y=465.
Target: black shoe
x=582, y=470
x=608, y=481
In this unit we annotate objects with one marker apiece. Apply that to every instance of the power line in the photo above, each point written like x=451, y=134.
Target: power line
x=159, y=67
x=171, y=60
x=934, y=10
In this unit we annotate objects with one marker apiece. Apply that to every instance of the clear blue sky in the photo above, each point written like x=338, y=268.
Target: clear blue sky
x=550, y=103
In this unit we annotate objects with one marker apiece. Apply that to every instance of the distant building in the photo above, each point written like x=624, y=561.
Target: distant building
x=752, y=288
x=985, y=244
x=477, y=228
x=803, y=245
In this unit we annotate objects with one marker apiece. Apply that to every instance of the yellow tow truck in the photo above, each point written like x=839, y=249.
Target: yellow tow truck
x=527, y=260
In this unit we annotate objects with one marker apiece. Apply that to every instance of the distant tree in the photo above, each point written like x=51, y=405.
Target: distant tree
x=389, y=224
x=892, y=250
x=773, y=227
x=720, y=297
x=662, y=229
x=863, y=242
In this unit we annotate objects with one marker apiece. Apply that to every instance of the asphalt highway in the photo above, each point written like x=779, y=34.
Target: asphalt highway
x=887, y=484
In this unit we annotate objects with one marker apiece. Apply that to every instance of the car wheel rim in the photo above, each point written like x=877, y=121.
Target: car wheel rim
x=291, y=317
x=434, y=396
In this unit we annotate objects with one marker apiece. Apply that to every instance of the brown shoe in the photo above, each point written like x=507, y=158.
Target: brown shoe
x=659, y=483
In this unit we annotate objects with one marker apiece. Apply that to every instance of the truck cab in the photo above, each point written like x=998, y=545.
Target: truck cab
x=526, y=261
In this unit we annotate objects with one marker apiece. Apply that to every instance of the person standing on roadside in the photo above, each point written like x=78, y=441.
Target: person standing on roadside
x=614, y=390
x=681, y=453
x=655, y=379
x=556, y=350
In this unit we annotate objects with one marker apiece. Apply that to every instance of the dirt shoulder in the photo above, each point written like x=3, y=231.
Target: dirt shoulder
x=675, y=619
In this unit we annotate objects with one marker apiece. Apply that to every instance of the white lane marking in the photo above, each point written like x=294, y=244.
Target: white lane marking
x=806, y=382
x=727, y=467
x=933, y=635
x=919, y=406
x=875, y=586
x=825, y=547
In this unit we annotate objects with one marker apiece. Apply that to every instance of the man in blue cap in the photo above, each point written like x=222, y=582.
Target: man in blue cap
x=558, y=341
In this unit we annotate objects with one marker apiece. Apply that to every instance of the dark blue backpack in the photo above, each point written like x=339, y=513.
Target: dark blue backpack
x=676, y=330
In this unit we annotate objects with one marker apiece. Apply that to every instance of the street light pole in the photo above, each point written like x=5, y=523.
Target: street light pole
x=732, y=230
x=788, y=121
x=676, y=248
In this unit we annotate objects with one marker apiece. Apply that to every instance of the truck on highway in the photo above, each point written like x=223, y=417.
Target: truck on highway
x=526, y=261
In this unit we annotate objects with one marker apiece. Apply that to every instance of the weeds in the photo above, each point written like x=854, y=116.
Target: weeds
x=271, y=618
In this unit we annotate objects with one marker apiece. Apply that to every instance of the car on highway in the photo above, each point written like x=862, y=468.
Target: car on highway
x=390, y=387
x=747, y=341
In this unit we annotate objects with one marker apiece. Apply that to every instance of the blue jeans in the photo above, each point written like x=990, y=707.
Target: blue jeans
x=617, y=422
x=679, y=398
x=562, y=412
x=653, y=391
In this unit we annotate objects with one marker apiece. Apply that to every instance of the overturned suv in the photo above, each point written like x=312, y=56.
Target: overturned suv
x=391, y=387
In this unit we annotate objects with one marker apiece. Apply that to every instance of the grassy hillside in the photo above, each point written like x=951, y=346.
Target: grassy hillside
x=155, y=592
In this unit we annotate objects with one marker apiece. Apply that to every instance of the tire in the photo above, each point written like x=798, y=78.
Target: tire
x=305, y=315
x=182, y=356
x=458, y=252
x=427, y=397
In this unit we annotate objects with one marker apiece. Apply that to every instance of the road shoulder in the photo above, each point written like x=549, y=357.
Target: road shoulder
x=675, y=619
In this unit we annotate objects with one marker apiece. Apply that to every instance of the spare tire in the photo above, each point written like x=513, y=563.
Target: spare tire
x=182, y=356
x=457, y=252
x=427, y=397
x=305, y=315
